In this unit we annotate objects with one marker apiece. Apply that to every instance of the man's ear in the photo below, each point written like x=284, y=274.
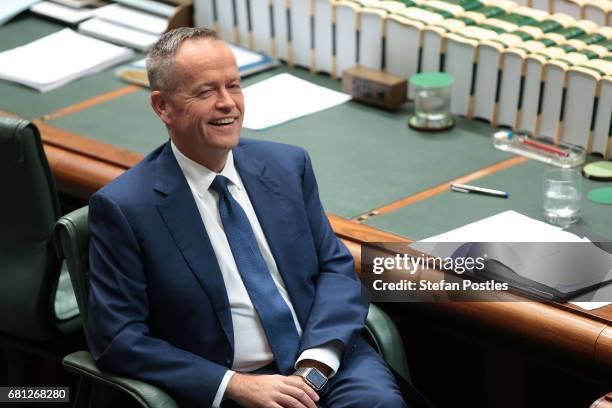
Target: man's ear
x=160, y=105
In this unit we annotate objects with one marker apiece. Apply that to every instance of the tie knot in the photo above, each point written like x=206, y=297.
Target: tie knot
x=219, y=185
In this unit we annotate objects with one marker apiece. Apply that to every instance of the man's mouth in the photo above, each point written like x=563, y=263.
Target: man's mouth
x=222, y=122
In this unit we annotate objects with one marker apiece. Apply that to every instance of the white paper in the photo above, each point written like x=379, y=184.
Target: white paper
x=510, y=226
x=76, y=3
x=132, y=18
x=63, y=13
x=591, y=305
x=59, y=58
x=284, y=97
x=10, y=8
x=118, y=34
x=151, y=6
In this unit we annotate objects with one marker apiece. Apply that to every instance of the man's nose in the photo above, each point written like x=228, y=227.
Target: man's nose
x=225, y=100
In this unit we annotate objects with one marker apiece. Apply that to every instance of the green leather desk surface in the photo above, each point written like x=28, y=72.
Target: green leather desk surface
x=523, y=182
x=364, y=157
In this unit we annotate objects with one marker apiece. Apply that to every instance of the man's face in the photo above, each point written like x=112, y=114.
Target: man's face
x=204, y=114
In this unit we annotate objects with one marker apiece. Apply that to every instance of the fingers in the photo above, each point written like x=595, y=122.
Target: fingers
x=286, y=400
x=300, y=383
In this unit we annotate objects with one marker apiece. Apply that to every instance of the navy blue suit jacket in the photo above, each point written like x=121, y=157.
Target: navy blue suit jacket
x=158, y=309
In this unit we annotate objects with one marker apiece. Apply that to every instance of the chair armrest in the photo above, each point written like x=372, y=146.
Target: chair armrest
x=147, y=395
x=384, y=333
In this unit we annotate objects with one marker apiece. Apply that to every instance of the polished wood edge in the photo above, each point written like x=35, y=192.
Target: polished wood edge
x=361, y=233
x=83, y=145
x=353, y=235
x=9, y=114
x=423, y=195
x=88, y=103
x=603, y=346
x=603, y=314
x=77, y=175
x=102, y=152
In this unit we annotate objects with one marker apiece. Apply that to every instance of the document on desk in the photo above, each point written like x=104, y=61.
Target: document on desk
x=59, y=58
x=60, y=12
x=151, y=6
x=132, y=18
x=118, y=34
x=9, y=9
x=285, y=97
x=534, y=255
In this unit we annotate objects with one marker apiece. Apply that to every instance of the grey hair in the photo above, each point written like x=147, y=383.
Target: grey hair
x=160, y=60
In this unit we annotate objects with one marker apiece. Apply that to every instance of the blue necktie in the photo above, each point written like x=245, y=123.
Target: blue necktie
x=272, y=309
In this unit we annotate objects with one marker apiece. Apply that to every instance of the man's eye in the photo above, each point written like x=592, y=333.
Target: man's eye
x=205, y=92
x=234, y=86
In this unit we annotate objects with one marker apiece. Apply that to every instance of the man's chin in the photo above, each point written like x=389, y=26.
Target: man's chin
x=225, y=142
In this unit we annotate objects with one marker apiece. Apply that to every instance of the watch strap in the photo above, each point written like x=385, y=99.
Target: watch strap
x=304, y=371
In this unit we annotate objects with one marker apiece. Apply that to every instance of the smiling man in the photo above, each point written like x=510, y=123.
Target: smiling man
x=214, y=271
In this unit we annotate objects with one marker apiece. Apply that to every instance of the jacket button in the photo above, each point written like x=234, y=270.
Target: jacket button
x=353, y=349
x=228, y=362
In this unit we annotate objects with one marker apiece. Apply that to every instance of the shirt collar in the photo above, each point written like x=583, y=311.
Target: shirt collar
x=201, y=177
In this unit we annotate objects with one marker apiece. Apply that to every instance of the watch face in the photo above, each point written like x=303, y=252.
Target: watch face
x=316, y=378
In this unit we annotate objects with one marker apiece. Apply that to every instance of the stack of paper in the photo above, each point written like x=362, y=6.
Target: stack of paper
x=59, y=58
x=132, y=18
x=106, y=30
x=155, y=7
x=76, y=3
x=125, y=26
x=60, y=12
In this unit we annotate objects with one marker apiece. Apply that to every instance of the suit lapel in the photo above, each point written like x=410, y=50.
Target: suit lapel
x=180, y=213
x=274, y=215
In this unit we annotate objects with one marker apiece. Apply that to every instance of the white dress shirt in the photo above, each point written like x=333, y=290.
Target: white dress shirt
x=251, y=348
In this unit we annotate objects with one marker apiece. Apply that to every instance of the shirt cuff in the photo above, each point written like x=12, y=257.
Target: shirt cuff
x=328, y=354
x=221, y=390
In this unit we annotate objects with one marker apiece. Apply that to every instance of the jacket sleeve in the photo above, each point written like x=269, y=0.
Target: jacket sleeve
x=339, y=309
x=118, y=334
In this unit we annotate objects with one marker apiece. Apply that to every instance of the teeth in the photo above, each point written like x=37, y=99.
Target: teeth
x=225, y=121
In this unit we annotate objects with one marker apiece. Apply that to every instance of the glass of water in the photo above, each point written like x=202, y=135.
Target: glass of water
x=562, y=193
x=432, y=92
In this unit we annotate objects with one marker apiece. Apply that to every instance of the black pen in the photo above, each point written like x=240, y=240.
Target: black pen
x=464, y=188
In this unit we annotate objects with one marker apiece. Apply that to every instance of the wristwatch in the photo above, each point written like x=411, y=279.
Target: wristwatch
x=313, y=377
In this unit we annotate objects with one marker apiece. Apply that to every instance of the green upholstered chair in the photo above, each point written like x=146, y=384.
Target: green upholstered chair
x=38, y=311
x=72, y=234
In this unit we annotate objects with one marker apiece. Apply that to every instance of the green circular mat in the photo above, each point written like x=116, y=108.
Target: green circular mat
x=601, y=195
x=599, y=170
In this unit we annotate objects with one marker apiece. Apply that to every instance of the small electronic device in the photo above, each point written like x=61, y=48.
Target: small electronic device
x=314, y=377
x=375, y=87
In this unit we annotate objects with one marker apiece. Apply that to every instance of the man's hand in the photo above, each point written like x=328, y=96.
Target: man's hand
x=270, y=391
